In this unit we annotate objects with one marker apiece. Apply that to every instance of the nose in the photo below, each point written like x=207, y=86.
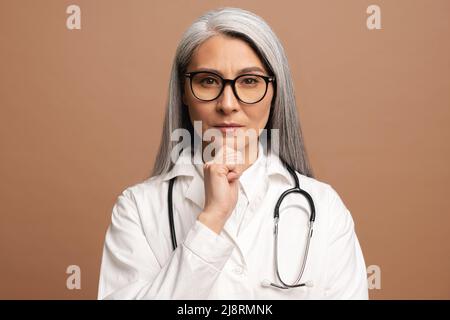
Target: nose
x=227, y=102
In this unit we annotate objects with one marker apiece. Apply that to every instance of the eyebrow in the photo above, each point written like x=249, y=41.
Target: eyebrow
x=244, y=70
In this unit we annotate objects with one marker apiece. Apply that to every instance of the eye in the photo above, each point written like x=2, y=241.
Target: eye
x=250, y=80
x=208, y=81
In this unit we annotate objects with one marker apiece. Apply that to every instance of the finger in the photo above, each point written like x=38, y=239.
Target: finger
x=215, y=168
x=234, y=161
x=232, y=176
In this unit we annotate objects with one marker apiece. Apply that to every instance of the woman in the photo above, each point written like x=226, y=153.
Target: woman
x=231, y=71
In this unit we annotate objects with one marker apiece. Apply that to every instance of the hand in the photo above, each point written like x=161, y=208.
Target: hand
x=221, y=182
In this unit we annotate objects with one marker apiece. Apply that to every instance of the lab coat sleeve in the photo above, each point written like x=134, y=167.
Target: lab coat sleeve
x=346, y=269
x=130, y=269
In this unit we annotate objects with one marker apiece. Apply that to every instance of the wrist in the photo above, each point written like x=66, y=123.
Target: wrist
x=213, y=222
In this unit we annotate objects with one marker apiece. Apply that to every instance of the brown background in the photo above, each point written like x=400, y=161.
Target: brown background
x=82, y=110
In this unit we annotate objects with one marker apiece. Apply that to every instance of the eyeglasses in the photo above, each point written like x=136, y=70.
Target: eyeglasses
x=248, y=88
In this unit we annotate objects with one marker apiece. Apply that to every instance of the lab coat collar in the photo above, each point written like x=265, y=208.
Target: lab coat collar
x=276, y=168
x=185, y=166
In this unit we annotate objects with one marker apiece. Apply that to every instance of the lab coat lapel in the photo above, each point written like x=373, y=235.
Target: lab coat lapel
x=185, y=167
x=195, y=191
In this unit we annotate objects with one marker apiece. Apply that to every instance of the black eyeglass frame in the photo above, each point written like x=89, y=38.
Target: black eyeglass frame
x=232, y=82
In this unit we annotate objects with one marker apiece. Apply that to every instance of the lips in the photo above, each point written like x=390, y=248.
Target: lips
x=228, y=124
x=228, y=127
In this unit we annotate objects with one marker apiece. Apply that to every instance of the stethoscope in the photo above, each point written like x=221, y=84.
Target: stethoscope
x=276, y=216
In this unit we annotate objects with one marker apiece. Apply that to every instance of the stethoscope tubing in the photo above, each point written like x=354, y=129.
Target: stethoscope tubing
x=312, y=217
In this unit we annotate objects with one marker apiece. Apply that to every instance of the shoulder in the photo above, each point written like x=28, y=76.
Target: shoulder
x=331, y=203
x=143, y=197
x=135, y=192
x=150, y=195
x=147, y=186
x=318, y=189
x=140, y=207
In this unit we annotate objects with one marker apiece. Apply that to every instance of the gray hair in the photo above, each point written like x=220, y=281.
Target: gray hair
x=245, y=25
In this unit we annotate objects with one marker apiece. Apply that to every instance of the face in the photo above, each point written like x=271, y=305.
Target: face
x=228, y=56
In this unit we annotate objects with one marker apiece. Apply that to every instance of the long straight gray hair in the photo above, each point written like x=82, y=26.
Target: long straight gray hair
x=252, y=29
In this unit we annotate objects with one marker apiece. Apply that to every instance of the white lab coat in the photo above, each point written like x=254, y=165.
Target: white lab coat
x=138, y=261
